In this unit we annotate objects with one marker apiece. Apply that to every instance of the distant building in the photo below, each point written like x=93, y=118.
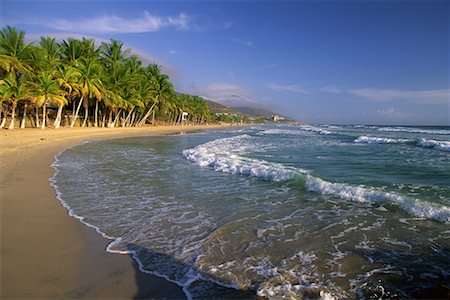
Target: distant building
x=277, y=118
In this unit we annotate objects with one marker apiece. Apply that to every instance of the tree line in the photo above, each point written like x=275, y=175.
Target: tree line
x=76, y=83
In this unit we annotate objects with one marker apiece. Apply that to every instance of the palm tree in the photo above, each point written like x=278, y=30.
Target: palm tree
x=90, y=84
x=13, y=91
x=52, y=52
x=71, y=51
x=47, y=90
x=67, y=78
x=162, y=89
x=13, y=51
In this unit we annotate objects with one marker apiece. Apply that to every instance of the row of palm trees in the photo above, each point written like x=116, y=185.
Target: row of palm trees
x=76, y=83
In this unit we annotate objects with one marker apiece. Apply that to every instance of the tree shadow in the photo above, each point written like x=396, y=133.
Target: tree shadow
x=154, y=287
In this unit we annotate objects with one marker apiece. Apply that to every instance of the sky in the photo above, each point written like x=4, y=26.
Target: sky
x=320, y=62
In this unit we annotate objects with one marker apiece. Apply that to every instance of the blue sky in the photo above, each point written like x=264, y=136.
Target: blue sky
x=370, y=62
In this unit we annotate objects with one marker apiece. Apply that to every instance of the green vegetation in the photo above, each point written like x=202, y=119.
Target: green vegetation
x=75, y=83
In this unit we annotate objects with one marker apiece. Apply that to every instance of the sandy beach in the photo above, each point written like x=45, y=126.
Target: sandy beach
x=44, y=252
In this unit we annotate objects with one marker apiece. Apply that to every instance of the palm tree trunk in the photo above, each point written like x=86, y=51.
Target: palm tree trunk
x=44, y=115
x=96, y=113
x=2, y=124
x=22, y=124
x=110, y=118
x=73, y=111
x=13, y=113
x=37, y=118
x=103, y=121
x=86, y=115
x=128, y=118
x=133, y=116
x=76, y=114
x=145, y=117
x=58, y=116
x=117, y=117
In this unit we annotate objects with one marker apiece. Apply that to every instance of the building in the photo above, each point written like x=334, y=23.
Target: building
x=277, y=118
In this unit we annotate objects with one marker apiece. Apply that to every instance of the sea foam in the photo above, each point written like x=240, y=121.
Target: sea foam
x=225, y=155
x=218, y=156
x=424, y=143
x=379, y=140
x=434, y=144
x=415, y=130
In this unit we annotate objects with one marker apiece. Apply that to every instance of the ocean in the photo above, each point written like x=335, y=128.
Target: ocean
x=279, y=211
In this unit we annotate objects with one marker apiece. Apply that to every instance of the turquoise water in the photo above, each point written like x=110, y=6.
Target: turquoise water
x=281, y=211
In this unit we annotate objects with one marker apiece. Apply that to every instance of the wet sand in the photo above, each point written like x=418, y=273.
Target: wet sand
x=44, y=252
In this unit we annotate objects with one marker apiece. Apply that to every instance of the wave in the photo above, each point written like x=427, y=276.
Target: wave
x=217, y=155
x=434, y=144
x=281, y=132
x=314, y=129
x=379, y=140
x=212, y=155
x=415, y=130
x=424, y=143
x=114, y=240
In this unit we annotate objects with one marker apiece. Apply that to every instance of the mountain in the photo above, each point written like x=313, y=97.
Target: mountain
x=255, y=111
x=221, y=109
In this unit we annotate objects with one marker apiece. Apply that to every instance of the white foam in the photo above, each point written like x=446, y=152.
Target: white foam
x=434, y=144
x=114, y=240
x=217, y=155
x=362, y=194
x=281, y=132
x=379, y=140
x=314, y=129
x=415, y=130
x=222, y=156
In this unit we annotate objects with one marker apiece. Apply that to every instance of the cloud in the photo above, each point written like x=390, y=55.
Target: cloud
x=116, y=24
x=224, y=93
x=331, y=89
x=416, y=96
x=392, y=113
x=248, y=43
x=297, y=88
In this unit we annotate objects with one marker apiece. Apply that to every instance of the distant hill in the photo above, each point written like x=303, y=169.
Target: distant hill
x=219, y=108
x=252, y=112
x=255, y=111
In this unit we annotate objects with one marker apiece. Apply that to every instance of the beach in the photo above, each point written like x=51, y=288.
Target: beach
x=44, y=252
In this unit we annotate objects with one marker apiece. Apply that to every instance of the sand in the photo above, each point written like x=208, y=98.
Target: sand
x=44, y=252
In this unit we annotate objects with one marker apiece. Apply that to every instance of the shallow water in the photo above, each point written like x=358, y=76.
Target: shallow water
x=300, y=211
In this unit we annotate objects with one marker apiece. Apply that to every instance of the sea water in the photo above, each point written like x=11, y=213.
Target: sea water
x=292, y=211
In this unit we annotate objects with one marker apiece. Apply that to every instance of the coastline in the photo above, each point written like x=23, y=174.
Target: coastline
x=45, y=253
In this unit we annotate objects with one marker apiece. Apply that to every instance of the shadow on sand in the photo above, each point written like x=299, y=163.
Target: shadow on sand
x=153, y=287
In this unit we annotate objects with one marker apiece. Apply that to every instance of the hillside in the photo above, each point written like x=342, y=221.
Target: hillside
x=255, y=111
x=221, y=109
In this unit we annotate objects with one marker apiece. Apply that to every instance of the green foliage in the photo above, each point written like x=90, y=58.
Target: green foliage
x=107, y=79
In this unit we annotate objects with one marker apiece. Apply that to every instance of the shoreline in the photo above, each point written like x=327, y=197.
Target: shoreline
x=45, y=253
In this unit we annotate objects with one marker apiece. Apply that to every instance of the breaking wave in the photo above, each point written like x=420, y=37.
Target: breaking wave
x=434, y=144
x=218, y=156
x=378, y=140
x=415, y=130
x=424, y=143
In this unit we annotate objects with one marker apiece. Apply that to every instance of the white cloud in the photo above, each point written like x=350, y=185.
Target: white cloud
x=248, y=43
x=297, y=88
x=224, y=93
x=416, y=96
x=392, y=113
x=331, y=89
x=116, y=24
